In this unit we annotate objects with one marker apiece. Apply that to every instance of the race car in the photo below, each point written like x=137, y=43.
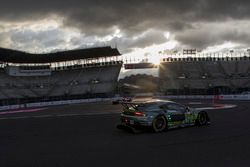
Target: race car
x=160, y=115
x=119, y=100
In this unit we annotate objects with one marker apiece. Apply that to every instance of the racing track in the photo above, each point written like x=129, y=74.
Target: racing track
x=85, y=135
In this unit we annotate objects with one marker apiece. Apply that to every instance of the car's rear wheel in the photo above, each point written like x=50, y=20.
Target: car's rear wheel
x=159, y=124
x=202, y=119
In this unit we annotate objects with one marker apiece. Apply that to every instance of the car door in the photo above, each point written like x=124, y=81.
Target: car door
x=189, y=115
x=176, y=112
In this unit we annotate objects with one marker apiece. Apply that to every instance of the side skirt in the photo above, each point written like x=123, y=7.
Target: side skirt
x=180, y=126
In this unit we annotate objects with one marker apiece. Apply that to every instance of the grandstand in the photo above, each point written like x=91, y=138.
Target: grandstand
x=205, y=75
x=75, y=74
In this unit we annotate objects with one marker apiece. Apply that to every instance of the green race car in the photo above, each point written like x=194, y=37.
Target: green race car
x=160, y=115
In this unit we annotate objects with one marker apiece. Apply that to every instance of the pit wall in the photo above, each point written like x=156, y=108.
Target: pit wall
x=80, y=101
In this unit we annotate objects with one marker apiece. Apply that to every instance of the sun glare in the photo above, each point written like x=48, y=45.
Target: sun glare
x=150, y=53
x=155, y=60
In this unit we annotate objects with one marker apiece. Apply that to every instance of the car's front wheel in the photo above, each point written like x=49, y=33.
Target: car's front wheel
x=202, y=119
x=159, y=124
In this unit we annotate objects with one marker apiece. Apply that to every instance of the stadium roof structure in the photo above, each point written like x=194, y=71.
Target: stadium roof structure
x=14, y=56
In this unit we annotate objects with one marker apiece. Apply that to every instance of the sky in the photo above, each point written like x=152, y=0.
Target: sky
x=135, y=27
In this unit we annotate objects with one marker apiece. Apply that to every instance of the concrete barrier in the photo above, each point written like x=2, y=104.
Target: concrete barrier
x=53, y=103
x=215, y=97
x=79, y=101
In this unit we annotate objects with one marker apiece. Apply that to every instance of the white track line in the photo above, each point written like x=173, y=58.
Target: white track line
x=5, y=118
x=41, y=116
x=227, y=106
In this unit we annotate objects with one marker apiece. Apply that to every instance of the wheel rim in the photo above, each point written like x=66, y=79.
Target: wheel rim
x=202, y=119
x=160, y=124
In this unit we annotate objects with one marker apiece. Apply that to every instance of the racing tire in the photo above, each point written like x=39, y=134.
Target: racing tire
x=159, y=124
x=202, y=119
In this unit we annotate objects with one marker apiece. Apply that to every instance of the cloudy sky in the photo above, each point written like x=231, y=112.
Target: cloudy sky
x=131, y=25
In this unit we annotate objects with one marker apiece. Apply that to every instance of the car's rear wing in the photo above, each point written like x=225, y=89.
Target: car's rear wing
x=130, y=105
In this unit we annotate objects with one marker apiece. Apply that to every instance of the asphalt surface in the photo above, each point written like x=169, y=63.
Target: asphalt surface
x=85, y=135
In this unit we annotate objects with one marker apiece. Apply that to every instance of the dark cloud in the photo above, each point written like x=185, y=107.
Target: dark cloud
x=210, y=34
x=125, y=44
x=47, y=37
x=33, y=40
x=143, y=40
x=4, y=40
x=133, y=17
